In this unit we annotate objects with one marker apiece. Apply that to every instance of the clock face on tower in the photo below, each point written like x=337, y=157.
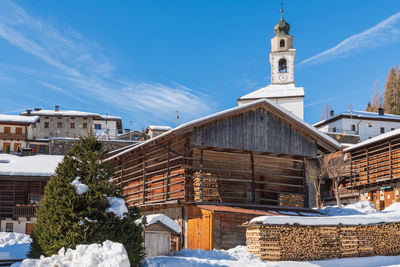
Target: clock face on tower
x=283, y=77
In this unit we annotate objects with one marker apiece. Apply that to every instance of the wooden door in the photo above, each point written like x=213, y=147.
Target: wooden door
x=5, y=145
x=200, y=229
x=157, y=244
x=28, y=228
x=16, y=145
x=389, y=197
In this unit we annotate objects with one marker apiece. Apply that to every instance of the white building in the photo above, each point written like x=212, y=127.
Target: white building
x=155, y=130
x=282, y=90
x=364, y=124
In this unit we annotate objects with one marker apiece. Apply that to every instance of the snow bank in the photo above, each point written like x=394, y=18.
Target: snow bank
x=366, y=214
x=362, y=207
x=95, y=255
x=154, y=218
x=117, y=206
x=80, y=188
x=14, y=245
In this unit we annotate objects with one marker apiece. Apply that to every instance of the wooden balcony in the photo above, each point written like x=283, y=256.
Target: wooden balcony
x=24, y=211
x=12, y=136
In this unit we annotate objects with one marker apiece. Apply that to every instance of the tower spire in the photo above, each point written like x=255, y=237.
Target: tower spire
x=281, y=9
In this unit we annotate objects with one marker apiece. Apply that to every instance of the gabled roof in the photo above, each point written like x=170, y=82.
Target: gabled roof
x=18, y=119
x=323, y=140
x=359, y=115
x=38, y=165
x=374, y=140
x=159, y=128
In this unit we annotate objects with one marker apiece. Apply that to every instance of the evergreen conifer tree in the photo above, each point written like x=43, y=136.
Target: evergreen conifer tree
x=67, y=217
x=392, y=93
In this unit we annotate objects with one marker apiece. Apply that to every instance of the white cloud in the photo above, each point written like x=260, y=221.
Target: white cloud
x=386, y=31
x=78, y=64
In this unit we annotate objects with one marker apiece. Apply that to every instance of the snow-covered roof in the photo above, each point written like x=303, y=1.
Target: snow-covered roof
x=159, y=128
x=226, y=112
x=374, y=139
x=18, y=119
x=164, y=219
x=275, y=91
x=44, y=112
x=38, y=165
x=360, y=115
x=108, y=117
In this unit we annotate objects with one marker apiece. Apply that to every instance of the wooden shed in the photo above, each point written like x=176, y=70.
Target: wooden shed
x=251, y=157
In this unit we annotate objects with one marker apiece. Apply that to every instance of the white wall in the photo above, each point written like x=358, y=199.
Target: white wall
x=19, y=225
x=109, y=127
x=343, y=125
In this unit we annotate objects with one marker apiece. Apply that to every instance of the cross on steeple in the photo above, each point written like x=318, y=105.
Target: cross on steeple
x=281, y=9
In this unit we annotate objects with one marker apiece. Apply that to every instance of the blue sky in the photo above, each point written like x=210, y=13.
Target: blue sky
x=144, y=60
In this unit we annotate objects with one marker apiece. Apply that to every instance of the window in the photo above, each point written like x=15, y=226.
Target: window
x=392, y=129
x=59, y=118
x=353, y=127
x=282, y=65
x=46, y=125
x=97, y=126
x=85, y=118
x=42, y=149
x=382, y=130
x=34, y=199
x=7, y=130
x=59, y=124
x=47, y=117
x=72, y=118
x=72, y=124
x=282, y=43
x=85, y=125
x=334, y=129
x=9, y=227
x=18, y=130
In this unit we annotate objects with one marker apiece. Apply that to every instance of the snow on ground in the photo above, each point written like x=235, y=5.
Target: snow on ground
x=109, y=254
x=117, y=206
x=154, y=218
x=239, y=257
x=80, y=188
x=359, y=208
x=14, y=245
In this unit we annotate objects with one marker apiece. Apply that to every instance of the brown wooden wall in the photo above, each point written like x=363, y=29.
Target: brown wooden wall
x=15, y=193
x=257, y=130
x=375, y=164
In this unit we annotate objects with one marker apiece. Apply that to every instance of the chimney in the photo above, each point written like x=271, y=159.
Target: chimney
x=127, y=130
x=29, y=112
x=331, y=113
x=381, y=111
x=56, y=108
x=38, y=109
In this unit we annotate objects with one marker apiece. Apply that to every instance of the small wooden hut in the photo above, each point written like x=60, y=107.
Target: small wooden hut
x=215, y=173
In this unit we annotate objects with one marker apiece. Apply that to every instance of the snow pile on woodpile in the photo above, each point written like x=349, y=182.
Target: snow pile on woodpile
x=14, y=245
x=361, y=214
x=109, y=254
x=362, y=207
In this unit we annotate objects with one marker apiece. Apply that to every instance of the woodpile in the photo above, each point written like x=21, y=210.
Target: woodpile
x=208, y=191
x=291, y=200
x=301, y=243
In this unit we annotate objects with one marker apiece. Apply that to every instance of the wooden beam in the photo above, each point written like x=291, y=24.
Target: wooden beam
x=201, y=174
x=168, y=174
x=390, y=160
x=366, y=153
x=144, y=180
x=253, y=178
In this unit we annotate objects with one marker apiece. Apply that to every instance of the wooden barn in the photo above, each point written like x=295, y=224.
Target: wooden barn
x=375, y=169
x=215, y=173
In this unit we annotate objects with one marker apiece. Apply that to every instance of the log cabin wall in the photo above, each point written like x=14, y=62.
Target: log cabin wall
x=15, y=193
x=256, y=130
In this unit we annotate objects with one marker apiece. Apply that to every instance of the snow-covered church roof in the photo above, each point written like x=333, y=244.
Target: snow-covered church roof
x=276, y=91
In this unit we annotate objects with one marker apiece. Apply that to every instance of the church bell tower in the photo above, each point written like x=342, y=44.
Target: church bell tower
x=282, y=90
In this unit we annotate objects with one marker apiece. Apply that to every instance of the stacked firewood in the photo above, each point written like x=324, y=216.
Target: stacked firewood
x=210, y=188
x=299, y=243
x=291, y=200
